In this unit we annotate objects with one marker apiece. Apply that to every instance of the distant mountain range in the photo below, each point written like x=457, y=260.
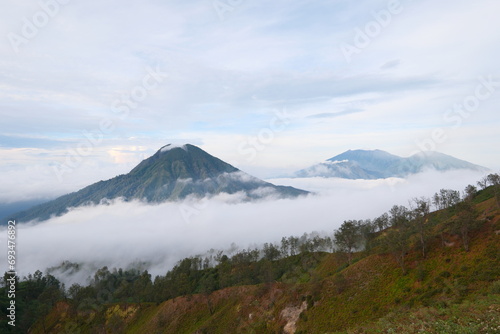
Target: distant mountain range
x=377, y=164
x=173, y=173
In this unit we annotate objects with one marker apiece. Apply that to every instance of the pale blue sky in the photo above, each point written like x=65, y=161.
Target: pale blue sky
x=222, y=82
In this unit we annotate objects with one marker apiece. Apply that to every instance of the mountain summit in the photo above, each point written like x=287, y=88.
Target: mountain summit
x=377, y=164
x=173, y=173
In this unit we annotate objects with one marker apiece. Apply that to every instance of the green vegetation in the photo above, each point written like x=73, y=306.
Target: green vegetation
x=35, y=297
x=407, y=271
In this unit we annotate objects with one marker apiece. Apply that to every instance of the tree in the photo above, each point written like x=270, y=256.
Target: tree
x=306, y=246
x=330, y=244
x=294, y=245
x=285, y=247
x=396, y=242
x=494, y=180
x=436, y=200
x=142, y=288
x=420, y=215
x=367, y=230
x=398, y=215
x=446, y=198
x=382, y=222
x=452, y=197
x=348, y=237
x=465, y=222
x=48, y=298
x=209, y=284
x=470, y=192
x=271, y=252
x=483, y=183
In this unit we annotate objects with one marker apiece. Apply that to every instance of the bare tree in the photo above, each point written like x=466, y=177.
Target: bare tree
x=493, y=179
x=436, y=200
x=470, y=192
x=483, y=183
x=420, y=214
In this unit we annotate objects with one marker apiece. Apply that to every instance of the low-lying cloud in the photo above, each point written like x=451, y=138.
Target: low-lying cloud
x=122, y=234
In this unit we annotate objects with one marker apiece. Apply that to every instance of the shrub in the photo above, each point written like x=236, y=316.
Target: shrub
x=445, y=274
x=421, y=274
x=495, y=288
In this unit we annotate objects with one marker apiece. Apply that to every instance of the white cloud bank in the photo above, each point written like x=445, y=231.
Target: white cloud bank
x=124, y=233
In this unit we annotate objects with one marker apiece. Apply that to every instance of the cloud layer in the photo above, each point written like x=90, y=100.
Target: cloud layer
x=123, y=234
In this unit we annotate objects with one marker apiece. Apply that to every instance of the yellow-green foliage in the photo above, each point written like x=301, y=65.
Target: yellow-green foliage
x=122, y=312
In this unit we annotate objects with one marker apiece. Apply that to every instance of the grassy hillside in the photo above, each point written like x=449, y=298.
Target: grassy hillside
x=450, y=290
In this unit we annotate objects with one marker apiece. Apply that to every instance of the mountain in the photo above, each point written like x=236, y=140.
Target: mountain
x=173, y=173
x=377, y=164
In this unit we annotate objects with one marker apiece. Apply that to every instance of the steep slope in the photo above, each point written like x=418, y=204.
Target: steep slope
x=376, y=164
x=448, y=291
x=172, y=173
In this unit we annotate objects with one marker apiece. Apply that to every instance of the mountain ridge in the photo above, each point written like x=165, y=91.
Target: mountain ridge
x=172, y=173
x=378, y=164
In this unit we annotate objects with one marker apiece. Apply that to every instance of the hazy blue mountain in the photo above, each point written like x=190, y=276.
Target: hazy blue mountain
x=376, y=164
x=6, y=209
x=172, y=173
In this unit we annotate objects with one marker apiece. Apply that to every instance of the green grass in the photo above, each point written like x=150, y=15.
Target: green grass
x=480, y=314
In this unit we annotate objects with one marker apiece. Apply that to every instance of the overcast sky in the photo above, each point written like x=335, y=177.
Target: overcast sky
x=269, y=86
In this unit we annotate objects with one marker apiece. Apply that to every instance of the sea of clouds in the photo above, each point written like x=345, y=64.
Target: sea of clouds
x=156, y=236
